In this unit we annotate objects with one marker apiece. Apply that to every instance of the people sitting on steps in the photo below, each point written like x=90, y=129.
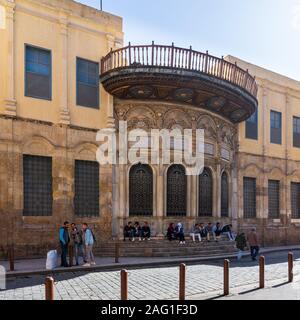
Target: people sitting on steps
x=171, y=235
x=179, y=231
x=227, y=229
x=129, y=231
x=146, y=231
x=210, y=232
x=136, y=231
x=217, y=231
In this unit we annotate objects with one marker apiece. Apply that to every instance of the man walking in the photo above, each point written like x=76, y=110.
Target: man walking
x=253, y=243
x=64, y=240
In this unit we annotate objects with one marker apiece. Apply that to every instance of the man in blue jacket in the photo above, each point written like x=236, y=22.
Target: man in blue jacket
x=64, y=240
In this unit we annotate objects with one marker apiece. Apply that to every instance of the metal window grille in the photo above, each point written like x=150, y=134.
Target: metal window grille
x=205, y=193
x=176, y=191
x=249, y=198
x=37, y=183
x=141, y=190
x=86, y=201
x=295, y=199
x=274, y=199
x=224, y=195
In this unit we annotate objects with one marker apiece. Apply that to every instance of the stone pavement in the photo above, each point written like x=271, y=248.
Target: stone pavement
x=153, y=284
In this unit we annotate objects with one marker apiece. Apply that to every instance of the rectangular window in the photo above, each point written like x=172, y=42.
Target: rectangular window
x=86, y=188
x=37, y=73
x=274, y=196
x=276, y=127
x=249, y=198
x=37, y=183
x=252, y=127
x=296, y=132
x=87, y=83
x=295, y=199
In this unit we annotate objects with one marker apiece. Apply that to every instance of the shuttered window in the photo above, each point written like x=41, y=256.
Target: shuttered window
x=86, y=200
x=37, y=186
x=276, y=127
x=252, y=127
x=274, y=199
x=296, y=132
x=249, y=198
x=37, y=73
x=87, y=83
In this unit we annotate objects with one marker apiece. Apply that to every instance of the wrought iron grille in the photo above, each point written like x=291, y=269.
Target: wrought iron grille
x=249, y=198
x=86, y=201
x=274, y=199
x=295, y=199
x=224, y=195
x=176, y=191
x=37, y=182
x=141, y=190
x=205, y=193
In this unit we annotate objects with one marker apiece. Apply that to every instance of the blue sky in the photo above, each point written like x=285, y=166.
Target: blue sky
x=264, y=32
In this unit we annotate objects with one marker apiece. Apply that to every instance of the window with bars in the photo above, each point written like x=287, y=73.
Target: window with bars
x=249, y=198
x=37, y=73
x=224, y=195
x=141, y=190
x=205, y=193
x=296, y=132
x=37, y=184
x=176, y=191
x=295, y=199
x=87, y=83
x=276, y=127
x=274, y=199
x=86, y=201
x=252, y=127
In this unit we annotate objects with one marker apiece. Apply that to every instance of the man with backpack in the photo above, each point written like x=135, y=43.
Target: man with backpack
x=89, y=240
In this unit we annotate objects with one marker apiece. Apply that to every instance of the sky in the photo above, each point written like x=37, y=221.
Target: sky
x=263, y=32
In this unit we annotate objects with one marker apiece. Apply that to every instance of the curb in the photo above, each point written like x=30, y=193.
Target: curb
x=145, y=265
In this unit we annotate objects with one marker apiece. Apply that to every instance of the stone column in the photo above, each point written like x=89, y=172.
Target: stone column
x=217, y=201
x=288, y=147
x=10, y=100
x=64, y=108
x=194, y=195
x=160, y=193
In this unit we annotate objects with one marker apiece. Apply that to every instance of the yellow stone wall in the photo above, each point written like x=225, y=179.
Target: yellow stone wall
x=69, y=30
x=278, y=93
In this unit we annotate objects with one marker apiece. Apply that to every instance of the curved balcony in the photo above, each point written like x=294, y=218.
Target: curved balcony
x=173, y=74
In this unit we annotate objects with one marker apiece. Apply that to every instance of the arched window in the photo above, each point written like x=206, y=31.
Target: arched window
x=205, y=193
x=176, y=191
x=141, y=190
x=224, y=195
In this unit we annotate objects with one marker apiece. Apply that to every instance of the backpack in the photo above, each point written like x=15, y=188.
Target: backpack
x=93, y=235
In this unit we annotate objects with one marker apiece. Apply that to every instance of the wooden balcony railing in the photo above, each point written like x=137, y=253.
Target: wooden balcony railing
x=178, y=58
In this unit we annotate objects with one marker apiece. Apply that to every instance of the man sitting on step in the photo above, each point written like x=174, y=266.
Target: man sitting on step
x=129, y=231
x=195, y=232
x=146, y=231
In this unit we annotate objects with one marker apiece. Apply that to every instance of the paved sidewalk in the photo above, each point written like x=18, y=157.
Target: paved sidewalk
x=38, y=266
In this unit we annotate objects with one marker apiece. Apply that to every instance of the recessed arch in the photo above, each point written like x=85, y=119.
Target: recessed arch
x=205, y=205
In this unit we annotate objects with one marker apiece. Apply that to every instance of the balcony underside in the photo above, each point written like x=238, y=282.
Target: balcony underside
x=181, y=86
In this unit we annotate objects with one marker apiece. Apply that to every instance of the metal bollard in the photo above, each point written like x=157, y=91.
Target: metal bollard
x=262, y=272
x=124, y=285
x=11, y=257
x=226, y=277
x=117, y=252
x=49, y=288
x=290, y=266
x=182, y=273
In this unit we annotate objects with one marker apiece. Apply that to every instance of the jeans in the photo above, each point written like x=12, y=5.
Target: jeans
x=89, y=256
x=64, y=253
x=128, y=234
x=254, y=251
x=78, y=252
x=239, y=254
x=194, y=235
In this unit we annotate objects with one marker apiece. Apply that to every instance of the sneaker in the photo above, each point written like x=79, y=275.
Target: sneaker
x=87, y=265
x=149, y=239
x=180, y=242
x=93, y=263
x=140, y=239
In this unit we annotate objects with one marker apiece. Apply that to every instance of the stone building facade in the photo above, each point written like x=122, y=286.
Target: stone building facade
x=62, y=132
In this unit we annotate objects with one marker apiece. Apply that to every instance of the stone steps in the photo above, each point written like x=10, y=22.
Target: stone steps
x=164, y=248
